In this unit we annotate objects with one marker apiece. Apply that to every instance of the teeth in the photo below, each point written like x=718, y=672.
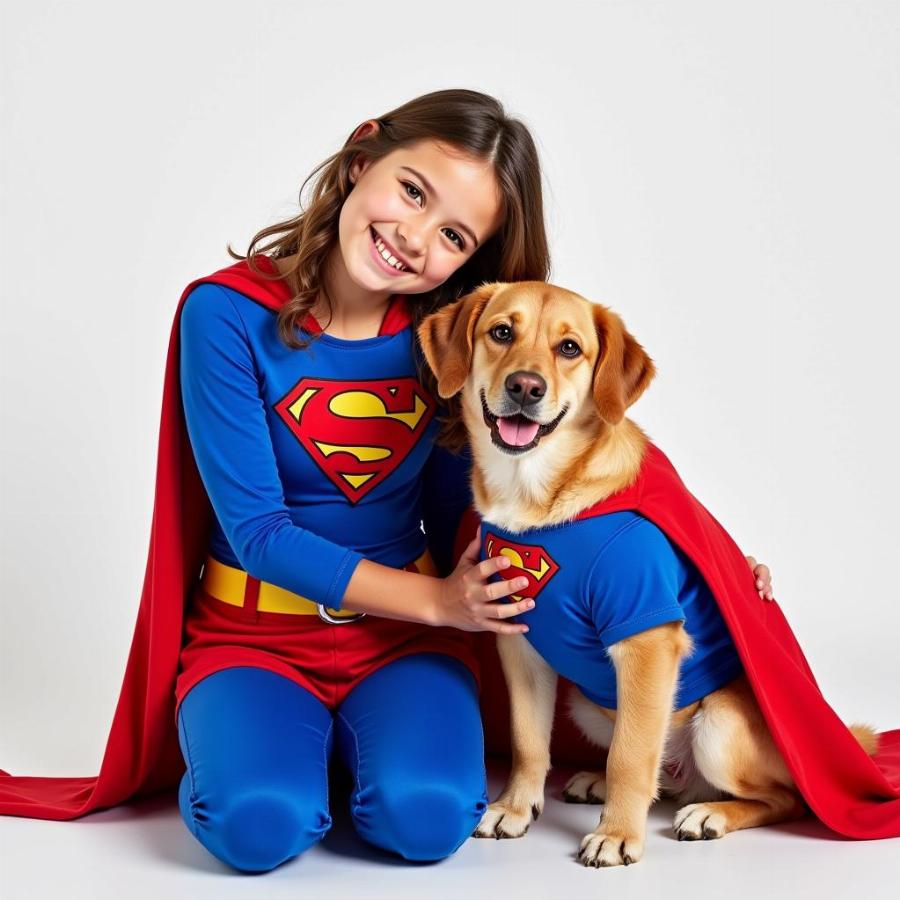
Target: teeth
x=386, y=254
x=388, y=257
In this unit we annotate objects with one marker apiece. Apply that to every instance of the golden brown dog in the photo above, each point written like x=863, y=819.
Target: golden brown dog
x=574, y=448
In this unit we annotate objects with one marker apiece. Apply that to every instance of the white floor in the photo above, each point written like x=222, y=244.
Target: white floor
x=145, y=851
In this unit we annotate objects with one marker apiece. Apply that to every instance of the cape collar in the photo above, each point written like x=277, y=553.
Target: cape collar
x=274, y=294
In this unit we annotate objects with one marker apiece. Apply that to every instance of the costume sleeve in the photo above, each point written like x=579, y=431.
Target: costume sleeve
x=634, y=582
x=229, y=433
x=446, y=494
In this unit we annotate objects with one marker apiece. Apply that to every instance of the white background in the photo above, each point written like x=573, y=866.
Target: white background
x=724, y=174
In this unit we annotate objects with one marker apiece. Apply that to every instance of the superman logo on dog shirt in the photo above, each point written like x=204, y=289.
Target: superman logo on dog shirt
x=530, y=560
x=357, y=432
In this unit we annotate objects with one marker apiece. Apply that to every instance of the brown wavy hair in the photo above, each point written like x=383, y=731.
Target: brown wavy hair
x=473, y=122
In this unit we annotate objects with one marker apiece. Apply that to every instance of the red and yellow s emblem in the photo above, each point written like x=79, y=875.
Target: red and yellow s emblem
x=357, y=432
x=530, y=560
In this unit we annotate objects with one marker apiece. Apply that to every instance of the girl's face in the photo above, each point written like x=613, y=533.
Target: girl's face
x=427, y=207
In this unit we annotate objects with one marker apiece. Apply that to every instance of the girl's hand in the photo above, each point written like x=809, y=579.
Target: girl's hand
x=469, y=602
x=763, y=578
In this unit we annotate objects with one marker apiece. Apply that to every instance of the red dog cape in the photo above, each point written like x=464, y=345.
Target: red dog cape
x=851, y=793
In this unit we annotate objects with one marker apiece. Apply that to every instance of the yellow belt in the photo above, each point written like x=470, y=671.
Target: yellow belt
x=229, y=584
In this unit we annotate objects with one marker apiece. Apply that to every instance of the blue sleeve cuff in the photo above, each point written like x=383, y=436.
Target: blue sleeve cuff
x=304, y=563
x=342, y=575
x=638, y=624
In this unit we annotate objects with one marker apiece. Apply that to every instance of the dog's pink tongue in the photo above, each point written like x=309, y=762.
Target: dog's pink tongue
x=517, y=432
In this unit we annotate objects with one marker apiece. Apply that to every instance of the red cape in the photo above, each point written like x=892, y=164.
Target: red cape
x=142, y=754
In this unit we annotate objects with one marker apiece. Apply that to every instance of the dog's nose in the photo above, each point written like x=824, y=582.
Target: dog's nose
x=525, y=387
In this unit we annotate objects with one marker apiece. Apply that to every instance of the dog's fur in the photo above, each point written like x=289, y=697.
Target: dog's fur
x=716, y=755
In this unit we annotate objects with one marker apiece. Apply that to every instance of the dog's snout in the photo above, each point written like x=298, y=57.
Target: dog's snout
x=525, y=387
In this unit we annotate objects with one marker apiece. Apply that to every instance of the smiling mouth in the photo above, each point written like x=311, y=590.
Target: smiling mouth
x=517, y=433
x=384, y=252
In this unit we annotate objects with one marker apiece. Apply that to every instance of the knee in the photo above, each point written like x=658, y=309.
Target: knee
x=253, y=831
x=423, y=824
x=260, y=831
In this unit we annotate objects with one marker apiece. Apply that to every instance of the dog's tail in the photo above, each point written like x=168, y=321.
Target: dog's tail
x=867, y=737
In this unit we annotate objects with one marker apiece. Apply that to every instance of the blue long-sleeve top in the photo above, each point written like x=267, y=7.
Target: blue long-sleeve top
x=313, y=459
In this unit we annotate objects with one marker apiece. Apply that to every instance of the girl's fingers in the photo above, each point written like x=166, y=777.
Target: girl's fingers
x=488, y=567
x=496, y=590
x=763, y=581
x=505, y=610
x=506, y=628
x=473, y=551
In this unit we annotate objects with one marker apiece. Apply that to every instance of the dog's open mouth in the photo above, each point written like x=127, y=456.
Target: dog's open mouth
x=516, y=433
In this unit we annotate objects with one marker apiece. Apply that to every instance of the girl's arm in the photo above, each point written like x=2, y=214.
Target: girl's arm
x=229, y=434
x=462, y=600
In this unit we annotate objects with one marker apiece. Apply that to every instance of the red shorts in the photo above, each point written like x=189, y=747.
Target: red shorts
x=328, y=660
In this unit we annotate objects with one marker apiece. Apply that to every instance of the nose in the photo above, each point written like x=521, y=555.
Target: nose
x=412, y=237
x=525, y=387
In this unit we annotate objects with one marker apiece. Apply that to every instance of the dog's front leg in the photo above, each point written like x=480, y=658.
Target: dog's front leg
x=532, y=701
x=646, y=673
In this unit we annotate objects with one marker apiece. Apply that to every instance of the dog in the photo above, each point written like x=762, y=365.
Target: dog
x=544, y=378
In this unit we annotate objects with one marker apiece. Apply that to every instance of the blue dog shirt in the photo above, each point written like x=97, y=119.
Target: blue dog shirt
x=598, y=580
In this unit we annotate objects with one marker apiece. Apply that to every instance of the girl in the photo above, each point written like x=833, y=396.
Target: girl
x=325, y=618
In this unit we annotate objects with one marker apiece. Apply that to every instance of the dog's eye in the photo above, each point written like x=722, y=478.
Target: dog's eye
x=501, y=333
x=569, y=348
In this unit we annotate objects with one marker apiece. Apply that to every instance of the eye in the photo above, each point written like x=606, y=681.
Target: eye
x=459, y=241
x=412, y=191
x=569, y=348
x=501, y=333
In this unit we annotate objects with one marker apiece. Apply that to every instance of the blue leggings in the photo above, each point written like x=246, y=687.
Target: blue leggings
x=257, y=745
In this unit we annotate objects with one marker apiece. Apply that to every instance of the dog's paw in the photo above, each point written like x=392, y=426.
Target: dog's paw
x=585, y=787
x=699, y=822
x=609, y=848
x=506, y=820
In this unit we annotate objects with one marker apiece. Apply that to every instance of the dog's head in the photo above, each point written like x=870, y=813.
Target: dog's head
x=536, y=359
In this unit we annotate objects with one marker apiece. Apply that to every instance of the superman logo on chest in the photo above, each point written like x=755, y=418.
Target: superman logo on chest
x=357, y=432
x=530, y=560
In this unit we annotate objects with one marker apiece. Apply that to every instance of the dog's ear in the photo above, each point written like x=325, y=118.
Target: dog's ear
x=447, y=338
x=623, y=369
